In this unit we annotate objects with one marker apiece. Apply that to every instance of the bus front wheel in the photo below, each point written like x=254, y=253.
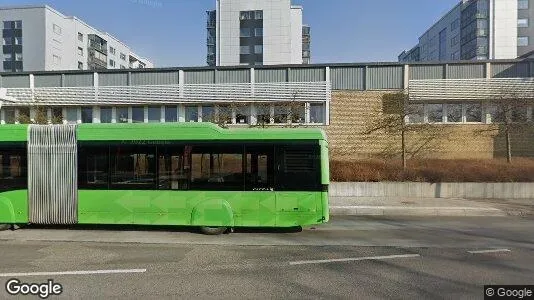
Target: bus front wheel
x=4, y=227
x=212, y=230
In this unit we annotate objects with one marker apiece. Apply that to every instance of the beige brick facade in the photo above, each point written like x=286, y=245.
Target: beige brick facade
x=352, y=112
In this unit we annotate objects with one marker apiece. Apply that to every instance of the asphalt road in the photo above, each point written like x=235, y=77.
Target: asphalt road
x=349, y=258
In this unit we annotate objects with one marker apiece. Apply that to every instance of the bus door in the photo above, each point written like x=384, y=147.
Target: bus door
x=297, y=178
x=259, y=184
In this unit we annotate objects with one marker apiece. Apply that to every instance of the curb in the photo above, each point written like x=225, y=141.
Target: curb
x=415, y=211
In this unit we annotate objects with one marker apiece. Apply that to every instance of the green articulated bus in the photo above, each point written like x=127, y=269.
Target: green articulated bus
x=189, y=174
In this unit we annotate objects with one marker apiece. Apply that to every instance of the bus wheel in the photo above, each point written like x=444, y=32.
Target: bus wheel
x=4, y=227
x=212, y=230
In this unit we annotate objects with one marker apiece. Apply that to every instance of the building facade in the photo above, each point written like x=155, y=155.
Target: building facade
x=39, y=38
x=478, y=30
x=344, y=99
x=257, y=32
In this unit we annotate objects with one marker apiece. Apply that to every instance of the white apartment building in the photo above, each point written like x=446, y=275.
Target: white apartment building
x=257, y=32
x=478, y=29
x=39, y=38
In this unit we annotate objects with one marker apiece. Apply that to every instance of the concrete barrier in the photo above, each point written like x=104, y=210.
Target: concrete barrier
x=499, y=190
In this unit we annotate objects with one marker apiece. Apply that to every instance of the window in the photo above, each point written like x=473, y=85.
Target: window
x=80, y=65
x=224, y=115
x=138, y=114
x=57, y=29
x=435, y=113
x=455, y=24
x=93, y=166
x=8, y=25
x=246, y=15
x=123, y=67
x=298, y=168
x=112, y=62
x=280, y=114
x=473, y=112
x=171, y=114
x=57, y=115
x=518, y=114
x=522, y=4
x=72, y=115
x=259, y=15
x=242, y=114
x=208, y=113
x=454, y=40
x=259, y=174
x=154, y=114
x=9, y=115
x=415, y=113
x=24, y=114
x=8, y=57
x=112, y=50
x=191, y=113
x=258, y=31
x=297, y=112
x=244, y=32
x=454, y=113
x=174, y=168
x=455, y=55
x=87, y=115
x=105, y=114
x=80, y=36
x=522, y=22
x=80, y=51
x=133, y=166
x=258, y=49
x=245, y=49
x=522, y=41
x=217, y=168
x=123, y=56
x=18, y=40
x=263, y=113
x=317, y=113
x=7, y=41
x=122, y=114
x=13, y=172
x=497, y=113
x=56, y=59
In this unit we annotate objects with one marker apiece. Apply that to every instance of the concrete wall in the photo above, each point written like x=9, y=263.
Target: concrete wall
x=353, y=112
x=433, y=190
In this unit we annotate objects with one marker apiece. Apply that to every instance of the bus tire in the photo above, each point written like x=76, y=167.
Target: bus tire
x=212, y=230
x=4, y=227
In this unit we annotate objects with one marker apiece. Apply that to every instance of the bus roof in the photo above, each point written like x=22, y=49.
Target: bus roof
x=171, y=131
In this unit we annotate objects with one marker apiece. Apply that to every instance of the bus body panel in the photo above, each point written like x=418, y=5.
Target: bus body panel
x=14, y=207
x=199, y=208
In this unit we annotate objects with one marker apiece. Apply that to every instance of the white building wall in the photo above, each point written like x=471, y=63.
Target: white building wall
x=296, y=35
x=504, y=28
x=277, y=31
x=50, y=40
x=33, y=36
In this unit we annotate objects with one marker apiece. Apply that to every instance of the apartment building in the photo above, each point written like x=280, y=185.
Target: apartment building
x=257, y=32
x=478, y=30
x=39, y=38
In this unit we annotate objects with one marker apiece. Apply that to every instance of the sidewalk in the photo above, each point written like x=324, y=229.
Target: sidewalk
x=382, y=206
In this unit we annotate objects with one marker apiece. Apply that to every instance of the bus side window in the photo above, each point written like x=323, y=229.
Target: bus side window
x=298, y=168
x=13, y=173
x=259, y=168
x=93, y=167
x=173, y=168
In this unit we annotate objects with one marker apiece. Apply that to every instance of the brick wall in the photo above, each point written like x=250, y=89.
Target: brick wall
x=352, y=112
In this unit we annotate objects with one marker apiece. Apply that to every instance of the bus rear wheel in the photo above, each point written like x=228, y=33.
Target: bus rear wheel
x=4, y=227
x=212, y=230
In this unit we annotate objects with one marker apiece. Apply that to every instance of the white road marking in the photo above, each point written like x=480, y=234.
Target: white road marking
x=73, y=273
x=489, y=251
x=322, y=261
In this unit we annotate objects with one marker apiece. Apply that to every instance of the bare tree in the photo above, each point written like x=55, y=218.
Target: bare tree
x=41, y=116
x=392, y=118
x=509, y=111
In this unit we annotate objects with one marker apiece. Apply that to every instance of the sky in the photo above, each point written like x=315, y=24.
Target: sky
x=172, y=33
